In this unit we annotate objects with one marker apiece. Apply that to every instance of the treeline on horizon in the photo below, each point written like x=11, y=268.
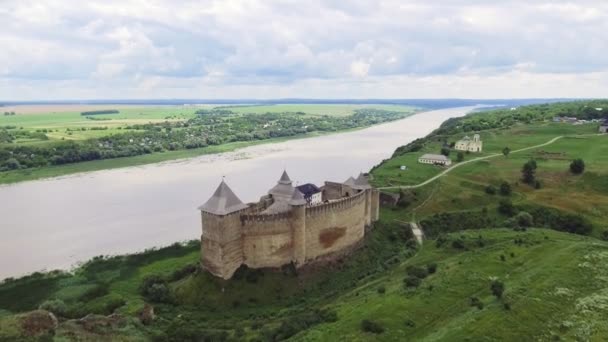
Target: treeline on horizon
x=209, y=128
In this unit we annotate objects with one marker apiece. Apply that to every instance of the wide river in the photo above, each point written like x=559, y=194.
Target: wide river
x=55, y=223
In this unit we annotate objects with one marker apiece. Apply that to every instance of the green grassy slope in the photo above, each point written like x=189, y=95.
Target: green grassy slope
x=556, y=285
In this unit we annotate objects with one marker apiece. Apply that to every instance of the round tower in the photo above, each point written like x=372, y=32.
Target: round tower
x=297, y=205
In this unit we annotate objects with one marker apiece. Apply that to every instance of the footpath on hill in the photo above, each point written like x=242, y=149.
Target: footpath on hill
x=465, y=163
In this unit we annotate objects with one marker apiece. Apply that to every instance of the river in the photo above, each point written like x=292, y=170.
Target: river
x=55, y=223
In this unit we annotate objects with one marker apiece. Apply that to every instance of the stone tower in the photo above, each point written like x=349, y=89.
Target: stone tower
x=476, y=138
x=297, y=205
x=221, y=243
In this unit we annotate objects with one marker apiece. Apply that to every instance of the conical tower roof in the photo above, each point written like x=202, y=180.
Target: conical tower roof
x=350, y=181
x=361, y=182
x=283, y=190
x=223, y=201
x=285, y=178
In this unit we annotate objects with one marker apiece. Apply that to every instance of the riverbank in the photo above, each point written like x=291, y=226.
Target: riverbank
x=11, y=177
x=16, y=176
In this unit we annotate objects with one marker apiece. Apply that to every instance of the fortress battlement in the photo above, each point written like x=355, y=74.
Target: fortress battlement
x=285, y=226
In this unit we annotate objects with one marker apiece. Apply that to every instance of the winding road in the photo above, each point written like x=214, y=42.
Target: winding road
x=465, y=163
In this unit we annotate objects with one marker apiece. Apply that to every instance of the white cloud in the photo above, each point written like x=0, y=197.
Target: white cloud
x=289, y=48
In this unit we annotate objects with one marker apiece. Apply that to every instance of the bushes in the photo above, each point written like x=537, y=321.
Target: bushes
x=294, y=325
x=505, y=189
x=431, y=268
x=417, y=271
x=371, y=327
x=506, y=207
x=555, y=219
x=577, y=166
x=56, y=306
x=490, y=190
x=476, y=302
x=497, y=287
x=155, y=289
x=452, y=222
x=411, y=281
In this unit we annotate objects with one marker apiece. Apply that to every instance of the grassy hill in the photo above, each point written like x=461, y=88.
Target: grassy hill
x=555, y=286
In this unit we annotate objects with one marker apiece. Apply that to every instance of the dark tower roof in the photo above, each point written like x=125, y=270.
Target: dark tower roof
x=223, y=201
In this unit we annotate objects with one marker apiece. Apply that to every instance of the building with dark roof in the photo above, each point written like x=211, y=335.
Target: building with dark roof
x=312, y=194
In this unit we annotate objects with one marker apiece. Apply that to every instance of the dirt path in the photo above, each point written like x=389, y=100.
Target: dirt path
x=467, y=162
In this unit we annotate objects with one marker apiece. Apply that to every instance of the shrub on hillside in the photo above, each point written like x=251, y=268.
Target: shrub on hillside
x=411, y=281
x=577, y=166
x=154, y=288
x=505, y=189
x=56, y=306
x=490, y=190
x=371, y=327
x=604, y=235
x=506, y=207
x=417, y=271
x=558, y=220
x=497, y=287
x=521, y=220
x=476, y=302
x=431, y=268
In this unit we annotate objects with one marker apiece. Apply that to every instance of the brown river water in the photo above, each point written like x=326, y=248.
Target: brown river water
x=56, y=223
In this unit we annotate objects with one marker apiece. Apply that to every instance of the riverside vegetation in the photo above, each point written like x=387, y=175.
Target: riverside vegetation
x=31, y=144
x=518, y=261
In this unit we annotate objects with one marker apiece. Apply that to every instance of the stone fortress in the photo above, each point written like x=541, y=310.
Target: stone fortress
x=284, y=227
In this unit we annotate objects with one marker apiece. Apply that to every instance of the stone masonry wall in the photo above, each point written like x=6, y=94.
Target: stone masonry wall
x=267, y=240
x=260, y=241
x=334, y=226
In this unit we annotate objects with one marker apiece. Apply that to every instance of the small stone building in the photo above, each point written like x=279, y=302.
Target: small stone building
x=283, y=227
x=468, y=144
x=435, y=159
x=604, y=127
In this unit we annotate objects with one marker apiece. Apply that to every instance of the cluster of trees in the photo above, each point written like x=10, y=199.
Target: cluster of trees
x=517, y=217
x=210, y=127
x=9, y=113
x=100, y=112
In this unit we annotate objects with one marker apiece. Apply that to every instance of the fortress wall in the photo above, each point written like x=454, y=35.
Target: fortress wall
x=267, y=240
x=334, y=226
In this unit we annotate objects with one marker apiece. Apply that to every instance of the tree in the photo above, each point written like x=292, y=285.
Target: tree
x=506, y=207
x=498, y=288
x=460, y=156
x=577, y=166
x=528, y=172
x=505, y=189
x=490, y=190
x=506, y=151
x=446, y=151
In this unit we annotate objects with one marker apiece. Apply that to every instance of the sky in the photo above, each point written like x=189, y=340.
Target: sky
x=230, y=49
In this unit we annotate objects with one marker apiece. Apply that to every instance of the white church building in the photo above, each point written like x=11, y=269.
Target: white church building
x=468, y=144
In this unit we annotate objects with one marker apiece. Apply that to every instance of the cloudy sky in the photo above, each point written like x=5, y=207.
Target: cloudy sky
x=116, y=49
